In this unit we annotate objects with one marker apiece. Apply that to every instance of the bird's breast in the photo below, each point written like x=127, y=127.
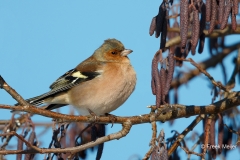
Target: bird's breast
x=106, y=92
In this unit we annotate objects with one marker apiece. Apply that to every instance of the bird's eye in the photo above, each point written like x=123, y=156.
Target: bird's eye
x=113, y=52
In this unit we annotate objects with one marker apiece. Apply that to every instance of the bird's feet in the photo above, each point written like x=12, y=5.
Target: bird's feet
x=95, y=117
x=111, y=117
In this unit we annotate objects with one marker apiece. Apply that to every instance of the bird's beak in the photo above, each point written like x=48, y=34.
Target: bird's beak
x=125, y=52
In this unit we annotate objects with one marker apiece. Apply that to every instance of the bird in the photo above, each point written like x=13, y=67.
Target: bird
x=99, y=84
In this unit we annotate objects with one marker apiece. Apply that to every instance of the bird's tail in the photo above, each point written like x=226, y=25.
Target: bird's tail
x=36, y=101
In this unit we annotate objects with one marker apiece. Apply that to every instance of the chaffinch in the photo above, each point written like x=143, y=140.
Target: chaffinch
x=101, y=83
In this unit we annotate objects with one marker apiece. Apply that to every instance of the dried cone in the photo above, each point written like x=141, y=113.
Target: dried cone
x=235, y=7
x=226, y=14
x=154, y=71
x=220, y=11
x=212, y=139
x=152, y=26
x=203, y=18
x=195, y=31
x=220, y=132
x=213, y=16
x=187, y=50
x=160, y=19
x=234, y=21
x=171, y=66
x=156, y=84
x=19, y=147
x=183, y=23
x=162, y=77
x=208, y=10
x=164, y=32
x=201, y=43
x=178, y=54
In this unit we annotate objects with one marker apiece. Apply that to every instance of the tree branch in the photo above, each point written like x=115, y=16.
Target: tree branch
x=125, y=130
x=177, y=111
x=216, y=33
x=211, y=62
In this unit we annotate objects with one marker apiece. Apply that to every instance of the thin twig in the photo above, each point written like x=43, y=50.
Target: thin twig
x=217, y=84
x=211, y=62
x=191, y=152
x=216, y=33
x=184, y=133
x=233, y=131
x=126, y=126
x=154, y=135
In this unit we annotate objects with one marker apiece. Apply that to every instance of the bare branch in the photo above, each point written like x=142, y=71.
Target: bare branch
x=184, y=133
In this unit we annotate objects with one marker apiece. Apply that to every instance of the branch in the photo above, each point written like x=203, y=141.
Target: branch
x=12, y=92
x=211, y=62
x=216, y=33
x=217, y=84
x=184, y=133
x=154, y=135
x=125, y=130
x=177, y=111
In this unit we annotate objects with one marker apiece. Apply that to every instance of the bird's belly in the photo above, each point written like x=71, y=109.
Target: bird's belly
x=100, y=100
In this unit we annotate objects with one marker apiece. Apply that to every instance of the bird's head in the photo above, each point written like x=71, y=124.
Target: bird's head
x=112, y=50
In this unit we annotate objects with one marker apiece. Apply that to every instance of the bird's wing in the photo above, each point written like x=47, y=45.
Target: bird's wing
x=68, y=80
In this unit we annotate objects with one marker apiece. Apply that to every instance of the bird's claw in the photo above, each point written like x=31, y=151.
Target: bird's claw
x=95, y=117
x=111, y=117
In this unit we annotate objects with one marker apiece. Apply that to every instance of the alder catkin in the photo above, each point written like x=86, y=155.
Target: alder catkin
x=183, y=23
x=19, y=147
x=170, y=72
x=160, y=19
x=152, y=26
x=164, y=31
x=31, y=141
x=208, y=10
x=212, y=139
x=220, y=132
x=178, y=54
x=201, y=43
x=213, y=16
x=235, y=7
x=203, y=18
x=195, y=31
x=154, y=70
x=187, y=50
x=158, y=91
x=157, y=83
x=226, y=14
x=234, y=21
x=153, y=87
x=220, y=11
x=162, y=77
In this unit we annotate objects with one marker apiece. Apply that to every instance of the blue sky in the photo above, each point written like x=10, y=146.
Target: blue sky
x=41, y=40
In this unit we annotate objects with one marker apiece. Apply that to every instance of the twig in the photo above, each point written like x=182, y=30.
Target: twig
x=211, y=62
x=184, y=133
x=216, y=33
x=217, y=84
x=191, y=152
x=231, y=82
x=154, y=135
x=126, y=126
x=233, y=131
x=22, y=139
x=12, y=92
x=195, y=145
